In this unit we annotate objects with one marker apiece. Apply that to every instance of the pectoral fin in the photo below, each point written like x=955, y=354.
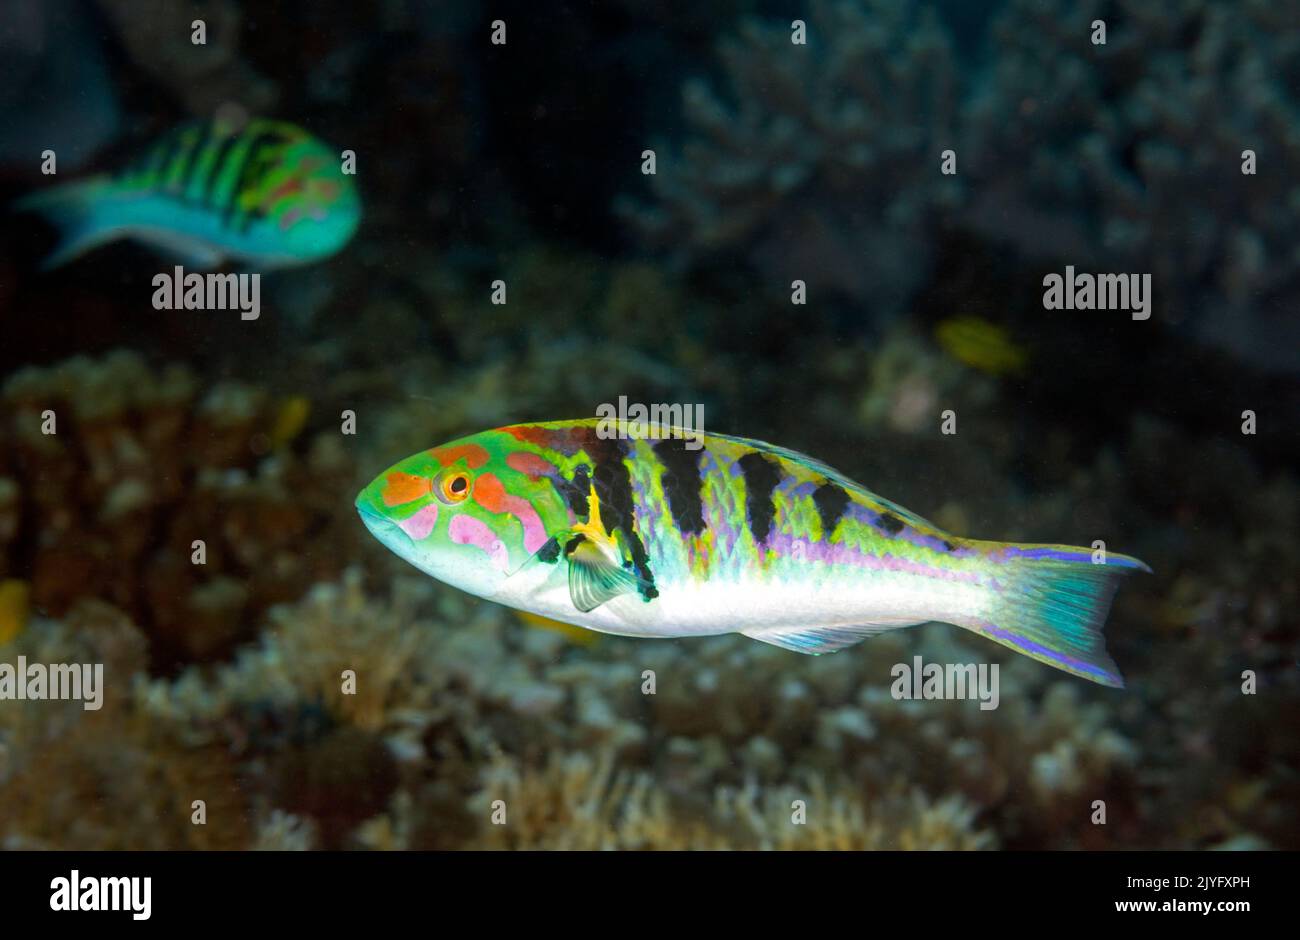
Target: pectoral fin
x=596, y=577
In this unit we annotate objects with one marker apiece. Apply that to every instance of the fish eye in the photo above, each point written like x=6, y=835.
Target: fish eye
x=454, y=487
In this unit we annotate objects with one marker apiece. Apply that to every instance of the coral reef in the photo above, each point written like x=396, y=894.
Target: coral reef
x=141, y=463
x=1130, y=154
x=464, y=716
x=821, y=161
x=317, y=693
x=106, y=779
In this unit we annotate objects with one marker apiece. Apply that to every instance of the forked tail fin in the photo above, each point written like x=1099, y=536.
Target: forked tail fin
x=70, y=208
x=1053, y=606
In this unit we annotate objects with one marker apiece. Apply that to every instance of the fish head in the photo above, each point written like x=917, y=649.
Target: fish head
x=308, y=207
x=470, y=513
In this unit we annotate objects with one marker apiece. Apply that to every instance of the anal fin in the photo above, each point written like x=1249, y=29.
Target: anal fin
x=817, y=640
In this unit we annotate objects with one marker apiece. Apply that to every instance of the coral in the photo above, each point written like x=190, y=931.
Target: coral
x=106, y=779
x=576, y=801
x=203, y=76
x=231, y=681
x=285, y=832
x=1129, y=154
x=824, y=163
x=142, y=463
x=910, y=385
x=301, y=659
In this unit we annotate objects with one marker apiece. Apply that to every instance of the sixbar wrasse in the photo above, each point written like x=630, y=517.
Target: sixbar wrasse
x=649, y=537
x=266, y=193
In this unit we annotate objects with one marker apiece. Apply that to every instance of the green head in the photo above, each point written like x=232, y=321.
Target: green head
x=307, y=208
x=470, y=512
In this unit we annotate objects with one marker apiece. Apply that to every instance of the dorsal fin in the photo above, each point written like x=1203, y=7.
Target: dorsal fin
x=830, y=473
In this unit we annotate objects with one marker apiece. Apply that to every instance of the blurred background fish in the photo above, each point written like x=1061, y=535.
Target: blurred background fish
x=263, y=192
x=981, y=345
x=15, y=598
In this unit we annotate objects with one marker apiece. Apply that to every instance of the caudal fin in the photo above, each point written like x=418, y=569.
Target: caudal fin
x=1053, y=605
x=70, y=208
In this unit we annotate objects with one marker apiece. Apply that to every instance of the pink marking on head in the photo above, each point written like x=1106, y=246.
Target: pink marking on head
x=466, y=530
x=531, y=464
x=491, y=494
x=290, y=217
x=421, y=524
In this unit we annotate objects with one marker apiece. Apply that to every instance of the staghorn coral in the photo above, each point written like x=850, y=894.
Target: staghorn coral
x=1129, y=155
x=824, y=164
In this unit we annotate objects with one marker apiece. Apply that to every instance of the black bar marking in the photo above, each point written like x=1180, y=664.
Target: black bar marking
x=682, y=483
x=890, y=523
x=761, y=478
x=550, y=551
x=613, y=484
x=192, y=158
x=206, y=195
x=162, y=156
x=831, y=500
x=251, y=169
x=576, y=492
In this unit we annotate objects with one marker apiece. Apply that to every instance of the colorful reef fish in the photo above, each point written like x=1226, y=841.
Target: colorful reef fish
x=656, y=537
x=265, y=193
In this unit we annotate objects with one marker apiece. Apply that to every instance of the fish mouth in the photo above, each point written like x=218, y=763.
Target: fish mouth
x=380, y=526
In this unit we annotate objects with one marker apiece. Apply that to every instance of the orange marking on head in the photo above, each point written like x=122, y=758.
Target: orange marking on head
x=534, y=466
x=490, y=493
x=531, y=434
x=402, y=488
x=475, y=455
x=290, y=185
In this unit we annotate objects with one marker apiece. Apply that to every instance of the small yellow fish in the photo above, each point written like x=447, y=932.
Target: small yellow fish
x=981, y=345
x=15, y=607
x=577, y=635
x=290, y=419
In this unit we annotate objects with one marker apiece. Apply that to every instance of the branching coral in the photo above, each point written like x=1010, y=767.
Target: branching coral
x=576, y=801
x=110, y=778
x=824, y=165
x=135, y=468
x=1130, y=154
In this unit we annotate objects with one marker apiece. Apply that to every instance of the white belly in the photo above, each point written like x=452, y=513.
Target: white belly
x=716, y=607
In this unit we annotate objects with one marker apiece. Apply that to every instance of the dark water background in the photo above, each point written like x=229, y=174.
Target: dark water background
x=774, y=162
